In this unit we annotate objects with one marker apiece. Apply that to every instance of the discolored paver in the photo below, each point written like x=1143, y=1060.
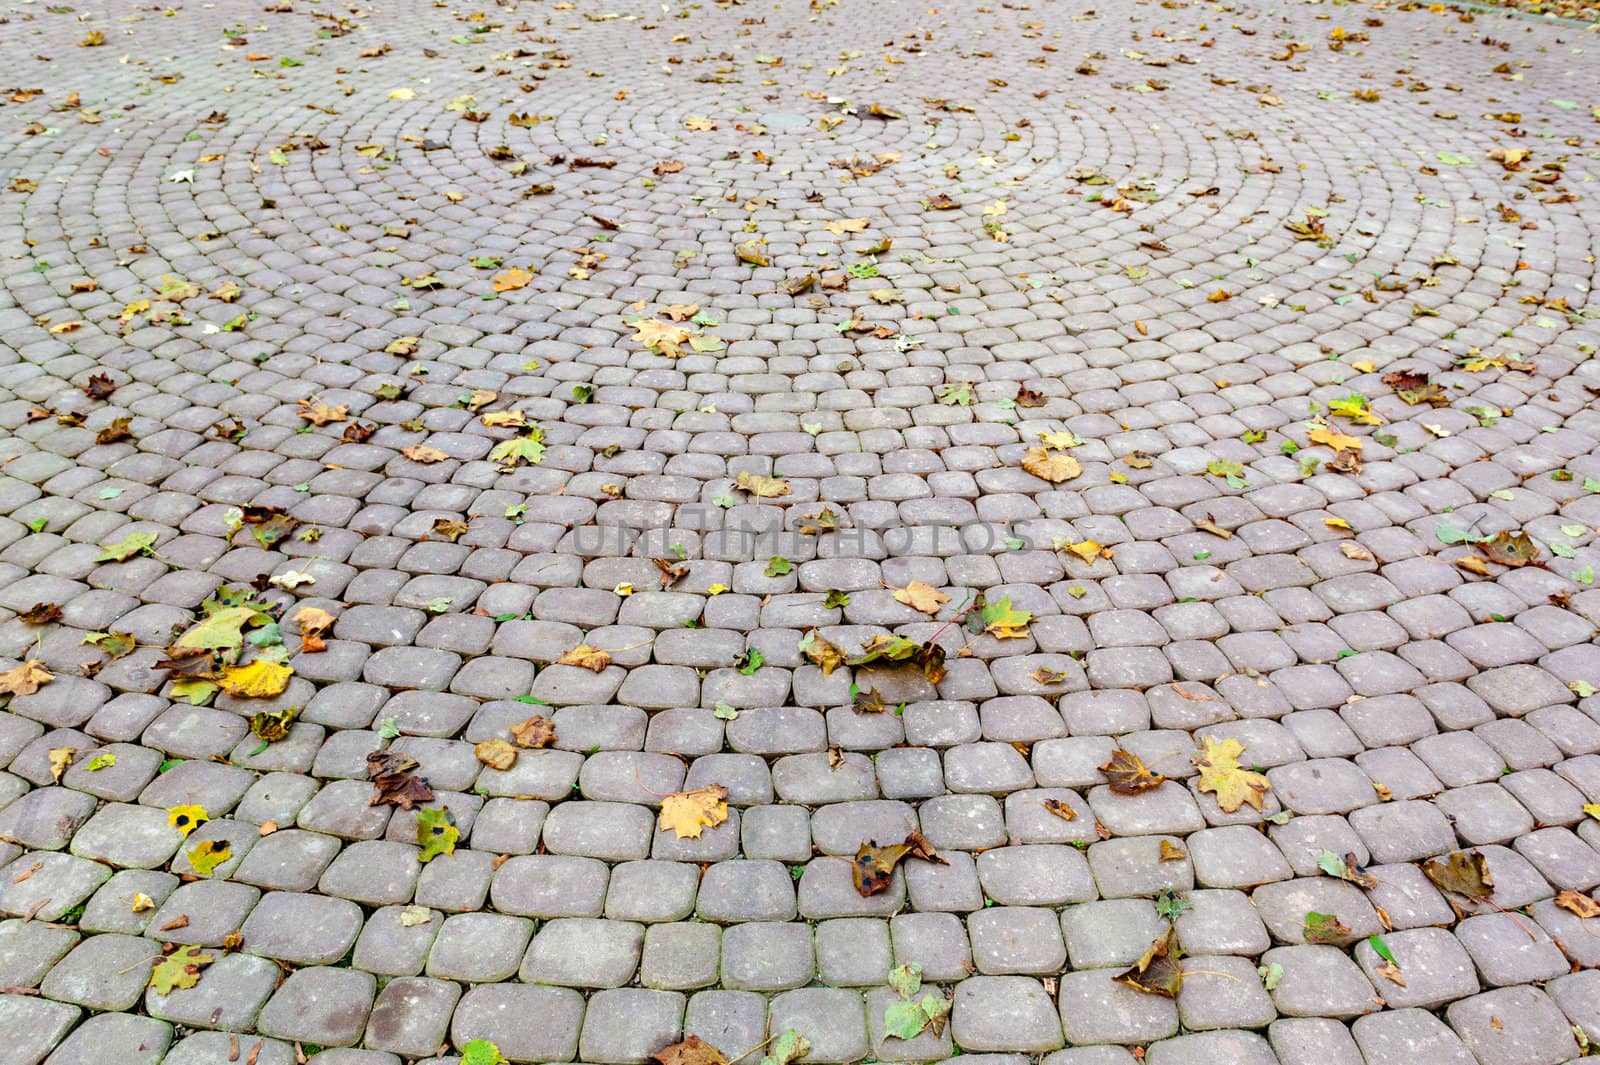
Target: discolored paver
x=884, y=414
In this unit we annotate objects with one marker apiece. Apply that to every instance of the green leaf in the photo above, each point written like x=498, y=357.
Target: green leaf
x=956, y=395
x=1332, y=864
x=1591, y=485
x=527, y=449
x=1582, y=688
x=1001, y=620
x=1324, y=928
x=1584, y=575
x=481, y=1052
x=138, y=543
x=724, y=711
x=436, y=833
x=1171, y=905
x=725, y=502
x=836, y=599
x=1453, y=159
x=1448, y=535
x=1270, y=975
x=906, y=979
x=1562, y=550
x=778, y=566
x=1377, y=944
x=1574, y=530
x=904, y=1020
x=101, y=761
x=387, y=729
x=750, y=661
x=786, y=1047
x=38, y=524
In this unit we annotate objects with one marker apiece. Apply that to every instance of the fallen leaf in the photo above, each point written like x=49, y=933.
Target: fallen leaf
x=391, y=773
x=60, y=761
x=496, y=754
x=820, y=652
x=1462, y=872
x=691, y=1051
x=206, y=855
x=436, y=833
x=1128, y=774
x=1221, y=774
x=1003, y=622
x=534, y=733
x=1088, y=550
x=450, y=529
x=1508, y=548
x=1157, y=972
x=1346, y=868
x=1206, y=524
x=119, y=429
x=920, y=596
x=273, y=725
x=314, y=624
x=873, y=865
x=261, y=679
x=504, y=419
x=41, y=614
x=688, y=813
x=25, y=679
x=1577, y=903
x=481, y=1052
x=424, y=454
x=511, y=280
x=134, y=544
x=1171, y=852
x=1321, y=434
x=1061, y=809
x=180, y=969
x=591, y=658
x=291, y=579
x=1052, y=466
x=322, y=414
x=762, y=487
x=1324, y=928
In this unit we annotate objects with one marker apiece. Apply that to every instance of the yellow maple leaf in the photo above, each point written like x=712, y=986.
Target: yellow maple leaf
x=424, y=454
x=26, y=678
x=847, y=225
x=762, y=487
x=1052, y=466
x=187, y=818
x=689, y=812
x=663, y=338
x=592, y=658
x=322, y=413
x=1088, y=550
x=512, y=279
x=1221, y=774
x=60, y=761
x=206, y=856
x=920, y=596
x=1334, y=439
x=259, y=680
x=505, y=419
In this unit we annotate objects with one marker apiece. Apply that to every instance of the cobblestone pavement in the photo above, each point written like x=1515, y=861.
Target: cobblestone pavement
x=889, y=416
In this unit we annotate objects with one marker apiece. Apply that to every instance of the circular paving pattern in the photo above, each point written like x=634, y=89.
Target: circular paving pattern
x=1024, y=531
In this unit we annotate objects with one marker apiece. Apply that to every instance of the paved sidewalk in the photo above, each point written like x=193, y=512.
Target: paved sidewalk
x=1038, y=531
